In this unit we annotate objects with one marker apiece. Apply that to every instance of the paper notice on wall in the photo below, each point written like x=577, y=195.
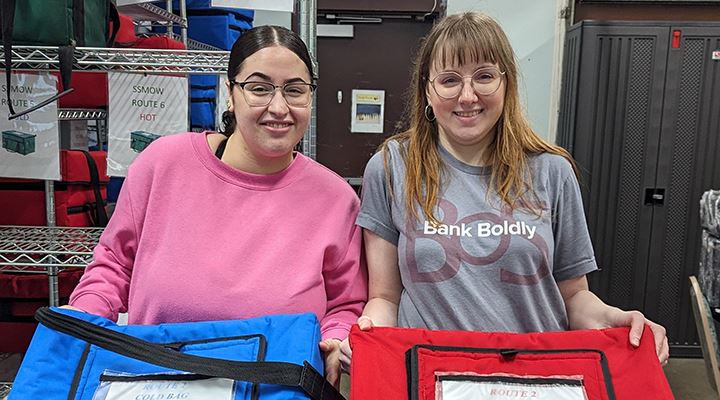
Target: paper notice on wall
x=368, y=111
x=142, y=108
x=30, y=143
x=269, y=5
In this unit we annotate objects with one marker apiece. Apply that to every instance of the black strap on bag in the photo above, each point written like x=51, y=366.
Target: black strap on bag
x=100, y=217
x=65, y=56
x=303, y=376
x=65, y=53
x=115, y=19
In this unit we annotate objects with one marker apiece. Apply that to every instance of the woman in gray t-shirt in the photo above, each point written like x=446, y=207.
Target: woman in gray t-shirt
x=471, y=220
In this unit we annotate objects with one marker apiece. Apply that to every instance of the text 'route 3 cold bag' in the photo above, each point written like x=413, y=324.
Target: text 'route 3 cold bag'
x=80, y=356
x=416, y=364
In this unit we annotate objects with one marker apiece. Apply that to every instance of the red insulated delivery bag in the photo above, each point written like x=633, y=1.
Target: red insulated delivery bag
x=79, y=197
x=416, y=364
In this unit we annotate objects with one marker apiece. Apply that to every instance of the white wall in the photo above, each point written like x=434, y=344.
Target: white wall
x=536, y=33
x=280, y=18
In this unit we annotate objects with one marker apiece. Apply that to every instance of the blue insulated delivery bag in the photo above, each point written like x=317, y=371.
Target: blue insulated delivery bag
x=217, y=28
x=74, y=355
x=202, y=102
x=202, y=115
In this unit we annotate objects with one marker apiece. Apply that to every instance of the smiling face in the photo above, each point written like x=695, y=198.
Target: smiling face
x=466, y=123
x=269, y=133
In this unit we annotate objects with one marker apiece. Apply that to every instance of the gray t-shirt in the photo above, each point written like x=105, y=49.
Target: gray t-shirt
x=485, y=268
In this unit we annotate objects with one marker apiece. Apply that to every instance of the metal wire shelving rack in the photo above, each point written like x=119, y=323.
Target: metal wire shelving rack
x=32, y=249
x=50, y=249
x=72, y=114
x=124, y=59
x=151, y=12
x=46, y=250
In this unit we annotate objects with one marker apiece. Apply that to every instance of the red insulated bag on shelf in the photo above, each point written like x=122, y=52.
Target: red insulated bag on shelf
x=91, y=90
x=22, y=202
x=158, y=42
x=416, y=364
x=126, y=36
x=21, y=294
x=83, y=187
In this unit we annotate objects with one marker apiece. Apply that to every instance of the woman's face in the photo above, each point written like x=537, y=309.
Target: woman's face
x=468, y=120
x=270, y=131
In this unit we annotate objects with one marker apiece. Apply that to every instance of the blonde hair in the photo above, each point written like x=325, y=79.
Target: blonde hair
x=456, y=40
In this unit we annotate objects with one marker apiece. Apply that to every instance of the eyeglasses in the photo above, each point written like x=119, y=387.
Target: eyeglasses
x=485, y=81
x=259, y=94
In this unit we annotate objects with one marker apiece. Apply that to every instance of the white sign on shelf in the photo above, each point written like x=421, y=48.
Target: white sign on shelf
x=30, y=143
x=142, y=108
x=269, y=5
x=368, y=111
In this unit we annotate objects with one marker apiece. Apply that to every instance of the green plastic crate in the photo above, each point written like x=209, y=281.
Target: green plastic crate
x=18, y=142
x=139, y=140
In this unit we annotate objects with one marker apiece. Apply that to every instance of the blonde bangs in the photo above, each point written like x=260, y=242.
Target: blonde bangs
x=469, y=41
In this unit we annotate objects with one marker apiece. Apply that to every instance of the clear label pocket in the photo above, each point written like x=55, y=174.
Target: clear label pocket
x=163, y=387
x=493, y=387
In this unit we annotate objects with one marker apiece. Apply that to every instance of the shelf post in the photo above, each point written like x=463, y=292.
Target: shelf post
x=52, y=271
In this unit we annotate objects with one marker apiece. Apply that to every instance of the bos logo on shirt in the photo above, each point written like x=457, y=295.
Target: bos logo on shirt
x=501, y=225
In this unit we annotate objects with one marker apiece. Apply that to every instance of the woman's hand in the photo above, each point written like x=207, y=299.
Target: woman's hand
x=365, y=323
x=586, y=311
x=637, y=321
x=331, y=354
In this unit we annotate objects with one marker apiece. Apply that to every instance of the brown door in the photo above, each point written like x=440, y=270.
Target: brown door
x=379, y=56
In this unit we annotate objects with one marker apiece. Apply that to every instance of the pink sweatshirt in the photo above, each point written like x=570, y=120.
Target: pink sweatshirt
x=193, y=239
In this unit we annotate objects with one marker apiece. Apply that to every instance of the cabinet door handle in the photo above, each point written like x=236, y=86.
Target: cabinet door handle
x=654, y=196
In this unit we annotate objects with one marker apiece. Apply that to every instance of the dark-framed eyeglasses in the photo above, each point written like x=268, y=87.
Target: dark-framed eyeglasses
x=485, y=81
x=259, y=94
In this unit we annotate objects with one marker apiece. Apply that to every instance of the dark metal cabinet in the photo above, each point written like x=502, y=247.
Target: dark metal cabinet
x=640, y=113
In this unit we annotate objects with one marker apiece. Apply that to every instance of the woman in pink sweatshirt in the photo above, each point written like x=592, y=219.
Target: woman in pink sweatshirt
x=232, y=225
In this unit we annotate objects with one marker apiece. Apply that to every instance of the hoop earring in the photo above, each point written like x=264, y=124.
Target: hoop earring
x=429, y=113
